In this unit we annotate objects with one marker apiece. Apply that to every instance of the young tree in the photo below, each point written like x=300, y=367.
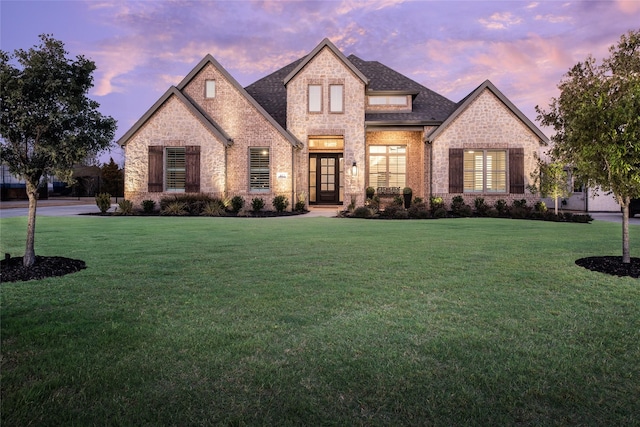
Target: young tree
x=112, y=179
x=47, y=122
x=550, y=180
x=597, y=124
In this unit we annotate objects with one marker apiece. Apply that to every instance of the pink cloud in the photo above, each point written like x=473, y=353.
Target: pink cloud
x=629, y=6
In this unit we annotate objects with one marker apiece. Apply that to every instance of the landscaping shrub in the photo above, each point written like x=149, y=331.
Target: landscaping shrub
x=481, y=206
x=362, y=212
x=301, y=204
x=257, y=204
x=519, y=209
x=280, y=203
x=370, y=191
x=194, y=202
x=103, y=200
x=436, y=203
x=174, y=208
x=460, y=208
x=441, y=212
x=398, y=200
x=373, y=204
x=213, y=208
x=391, y=211
x=419, y=210
x=540, y=207
x=237, y=203
x=418, y=200
x=501, y=206
x=125, y=207
x=148, y=206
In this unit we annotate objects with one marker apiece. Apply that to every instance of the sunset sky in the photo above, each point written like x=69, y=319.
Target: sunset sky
x=143, y=47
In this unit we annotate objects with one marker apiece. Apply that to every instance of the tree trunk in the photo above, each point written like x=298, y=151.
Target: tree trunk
x=555, y=205
x=626, y=256
x=29, y=253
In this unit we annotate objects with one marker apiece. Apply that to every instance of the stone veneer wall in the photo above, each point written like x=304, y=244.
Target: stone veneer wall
x=172, y=125
x=326, y=68
x=486, y=123
x=248, y=128
x=415, y=155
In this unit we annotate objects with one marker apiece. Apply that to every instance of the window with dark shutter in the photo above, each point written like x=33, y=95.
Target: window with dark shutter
x=516, y=170
x=456, y=170
x=192, y=157
x=156, y=162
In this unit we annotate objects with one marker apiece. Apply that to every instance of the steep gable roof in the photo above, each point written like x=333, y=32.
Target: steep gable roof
x=208, y=59
x=207, y=122
x=325, y=43
x=469, y=99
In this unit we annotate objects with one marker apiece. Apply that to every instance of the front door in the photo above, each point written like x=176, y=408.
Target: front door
x=325, y=183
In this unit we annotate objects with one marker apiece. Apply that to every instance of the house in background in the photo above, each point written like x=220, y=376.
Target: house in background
x=326, y=127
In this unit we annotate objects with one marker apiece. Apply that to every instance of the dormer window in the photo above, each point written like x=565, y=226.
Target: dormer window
x=388, y=100
x=210, y=89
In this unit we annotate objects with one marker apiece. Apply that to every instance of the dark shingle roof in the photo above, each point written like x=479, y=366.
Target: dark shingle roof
x=428, y=106
x=271, y=93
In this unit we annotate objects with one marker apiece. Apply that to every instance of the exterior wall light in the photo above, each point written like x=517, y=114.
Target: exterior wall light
x=354, y=169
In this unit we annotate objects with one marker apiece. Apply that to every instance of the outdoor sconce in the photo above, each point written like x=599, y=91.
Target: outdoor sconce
x=354, y=169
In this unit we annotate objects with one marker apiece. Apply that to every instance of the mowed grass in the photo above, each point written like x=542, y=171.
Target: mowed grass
x=320, y=321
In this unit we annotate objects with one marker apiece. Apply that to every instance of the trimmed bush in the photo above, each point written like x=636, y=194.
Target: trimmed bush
x=436, y=203
x=362, y=212
x=257, y=204
x=148, y=206
x=481, y=206
x=441, y=212
x=501, y=206
x=103, y=200
x=419, y=210
x=280, y=203
x=237, y=203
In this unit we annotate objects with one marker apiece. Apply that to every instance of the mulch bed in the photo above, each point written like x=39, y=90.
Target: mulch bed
x=12, y=270
x=612, y=265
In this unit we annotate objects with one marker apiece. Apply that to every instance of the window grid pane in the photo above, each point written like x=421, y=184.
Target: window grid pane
x=176, y=169
x=259, y=176
x=388, y=167
x=485, y=171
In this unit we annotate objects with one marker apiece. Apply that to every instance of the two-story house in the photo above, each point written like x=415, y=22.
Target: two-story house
x=327, y=126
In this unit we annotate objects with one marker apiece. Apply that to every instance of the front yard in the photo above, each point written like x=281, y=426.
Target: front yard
x=320, y=321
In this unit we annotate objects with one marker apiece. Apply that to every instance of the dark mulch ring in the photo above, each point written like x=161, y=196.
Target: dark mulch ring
x=612, y=265
x=12, y=270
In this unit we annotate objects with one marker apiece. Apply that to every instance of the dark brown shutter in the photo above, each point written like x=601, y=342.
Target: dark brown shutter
x=516, y=170
x=192, y=160
x=155, y=168
x=456, y=171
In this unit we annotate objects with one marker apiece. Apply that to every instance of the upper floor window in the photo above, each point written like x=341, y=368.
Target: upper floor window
x=315, y=98
x=387, y=100
x=485, y=171
x=336, y=98
x=259, y=174
x=210, y=89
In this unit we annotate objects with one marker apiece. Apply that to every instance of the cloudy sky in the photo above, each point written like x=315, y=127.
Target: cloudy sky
x=143, y=47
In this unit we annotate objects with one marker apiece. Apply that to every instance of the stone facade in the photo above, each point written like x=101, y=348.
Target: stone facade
x=485, y=124
x=172, y=125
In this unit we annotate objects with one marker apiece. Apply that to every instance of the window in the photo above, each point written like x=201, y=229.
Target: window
x=315, y=98
x=259, y=176
x=210, y=89
x=388, y=100
x=176, y=170
x=387, y=165
x=336, y=98
x=485, y=171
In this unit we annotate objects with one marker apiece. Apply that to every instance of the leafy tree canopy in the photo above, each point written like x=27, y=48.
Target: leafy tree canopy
x=47, y=122
x=596, y=120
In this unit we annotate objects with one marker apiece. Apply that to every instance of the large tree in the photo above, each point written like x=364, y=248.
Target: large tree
x=47, y=121
x=596, y=120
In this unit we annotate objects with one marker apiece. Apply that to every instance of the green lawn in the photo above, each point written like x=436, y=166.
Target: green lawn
x=320, y=321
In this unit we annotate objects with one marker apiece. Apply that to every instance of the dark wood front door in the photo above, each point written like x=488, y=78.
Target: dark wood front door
x=324, y=178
